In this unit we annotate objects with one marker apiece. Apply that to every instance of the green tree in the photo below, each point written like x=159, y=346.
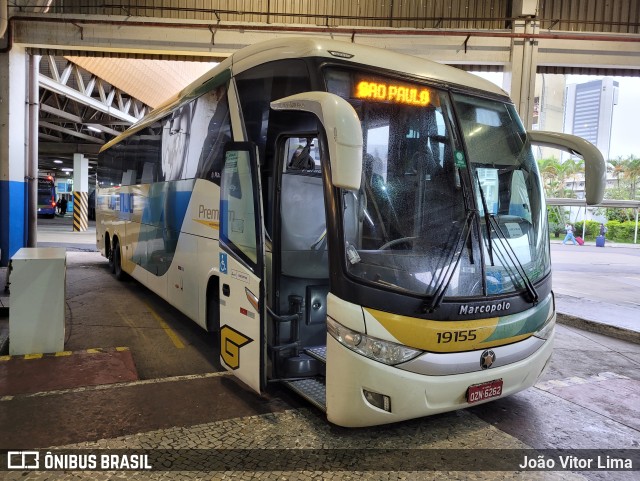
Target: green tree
x=632, y=174
x=549, y=168
x=617, y=168
x=618, y=214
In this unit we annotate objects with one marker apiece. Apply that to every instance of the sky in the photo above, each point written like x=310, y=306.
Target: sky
x=625, y=135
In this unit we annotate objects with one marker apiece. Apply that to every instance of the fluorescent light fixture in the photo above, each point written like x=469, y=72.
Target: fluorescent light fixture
x=67, y=169
x=57, y=161
x=93, y=129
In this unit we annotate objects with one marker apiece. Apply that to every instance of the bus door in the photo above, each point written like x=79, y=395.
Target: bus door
x=241, y=264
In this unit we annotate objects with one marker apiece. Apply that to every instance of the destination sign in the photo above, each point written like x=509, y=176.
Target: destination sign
x=394, y=93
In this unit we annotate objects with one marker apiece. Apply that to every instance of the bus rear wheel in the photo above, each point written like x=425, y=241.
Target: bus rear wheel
x=111, y=260
x=117, y=266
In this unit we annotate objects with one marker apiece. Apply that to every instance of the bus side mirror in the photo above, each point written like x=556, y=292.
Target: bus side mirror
x=595, y=169
x=344, y=133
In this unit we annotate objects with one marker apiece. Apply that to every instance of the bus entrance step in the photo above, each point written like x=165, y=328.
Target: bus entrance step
x=312, y=389
x=319, y=352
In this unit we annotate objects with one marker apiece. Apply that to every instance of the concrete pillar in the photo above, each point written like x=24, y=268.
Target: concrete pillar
x=520, y=73
x=13, y=143
x=80, y=193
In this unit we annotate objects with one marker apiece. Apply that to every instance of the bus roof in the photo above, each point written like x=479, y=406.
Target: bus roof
x=288, y=47
x=300, y=47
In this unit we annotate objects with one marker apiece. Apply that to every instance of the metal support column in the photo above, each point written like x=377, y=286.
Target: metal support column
x=80, y=193
x=32, y=152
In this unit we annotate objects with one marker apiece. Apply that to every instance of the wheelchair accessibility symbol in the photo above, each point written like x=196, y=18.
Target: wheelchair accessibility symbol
x=223, y=263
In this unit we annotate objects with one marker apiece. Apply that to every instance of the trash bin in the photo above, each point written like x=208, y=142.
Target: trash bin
x=37, y=300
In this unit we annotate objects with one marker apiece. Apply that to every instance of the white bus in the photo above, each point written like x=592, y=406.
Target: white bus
x=366, y=227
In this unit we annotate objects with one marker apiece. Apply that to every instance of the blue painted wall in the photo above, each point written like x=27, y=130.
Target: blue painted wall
x=13, y=232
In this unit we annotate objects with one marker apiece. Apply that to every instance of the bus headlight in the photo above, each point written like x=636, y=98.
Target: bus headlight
x=382, y=351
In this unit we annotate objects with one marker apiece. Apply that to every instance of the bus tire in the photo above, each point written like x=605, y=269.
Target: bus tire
x=117, y=265
x=109, y=250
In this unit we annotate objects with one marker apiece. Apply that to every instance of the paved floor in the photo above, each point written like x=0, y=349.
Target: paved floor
x=198, y=422
x=599, y=285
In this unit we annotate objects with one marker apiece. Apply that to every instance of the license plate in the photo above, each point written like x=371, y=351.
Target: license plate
x=483, y=391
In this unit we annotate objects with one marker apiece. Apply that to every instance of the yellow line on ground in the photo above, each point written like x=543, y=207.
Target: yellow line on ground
x=172, y=335
x=33, y=356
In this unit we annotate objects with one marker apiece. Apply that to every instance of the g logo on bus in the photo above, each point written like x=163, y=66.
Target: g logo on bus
x=230, y=343
x=487, y=358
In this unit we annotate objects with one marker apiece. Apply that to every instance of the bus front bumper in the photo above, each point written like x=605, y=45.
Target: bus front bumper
x=413, y=395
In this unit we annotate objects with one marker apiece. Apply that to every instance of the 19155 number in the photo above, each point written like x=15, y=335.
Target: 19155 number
x=456, y=336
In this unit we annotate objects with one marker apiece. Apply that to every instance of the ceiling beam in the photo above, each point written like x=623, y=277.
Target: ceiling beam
x=60, y=113
x=67, y=148
x=101, y=128
x=89, y=138
x=61, y=89
x=52, y=138
x=140, y=35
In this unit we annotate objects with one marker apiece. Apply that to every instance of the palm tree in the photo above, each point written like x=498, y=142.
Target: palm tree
x=553, y=181
x=549, y=171
x=572, y=168
x=617, y=168
x=632, y=173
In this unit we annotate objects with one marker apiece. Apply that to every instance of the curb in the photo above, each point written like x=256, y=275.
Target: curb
x=95, y=350
x=599, y=328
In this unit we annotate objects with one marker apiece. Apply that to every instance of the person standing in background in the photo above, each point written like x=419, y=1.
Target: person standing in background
x=603, y=230
x=63, y=206
x=569, y=229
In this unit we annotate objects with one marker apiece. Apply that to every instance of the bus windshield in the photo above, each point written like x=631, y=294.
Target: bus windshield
x=417, y=222
x=46, y=192
x=508, y=193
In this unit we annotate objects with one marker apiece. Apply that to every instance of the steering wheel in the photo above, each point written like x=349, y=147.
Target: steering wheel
x=397, y=241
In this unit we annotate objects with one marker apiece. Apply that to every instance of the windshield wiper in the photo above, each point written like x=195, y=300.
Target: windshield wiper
x=447, y=273
x=515, y=261
x=487, y=220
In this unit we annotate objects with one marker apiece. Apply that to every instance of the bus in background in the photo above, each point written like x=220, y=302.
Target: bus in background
x=366, y=227
x=46, y=197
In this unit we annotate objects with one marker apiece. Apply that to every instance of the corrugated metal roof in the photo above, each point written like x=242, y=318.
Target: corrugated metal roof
x=613, y=16
x=150, y=81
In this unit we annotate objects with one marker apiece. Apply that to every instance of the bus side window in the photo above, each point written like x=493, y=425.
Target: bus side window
x=110, y=166
x=212, y=112
x=175, y=142
x=148, y=154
